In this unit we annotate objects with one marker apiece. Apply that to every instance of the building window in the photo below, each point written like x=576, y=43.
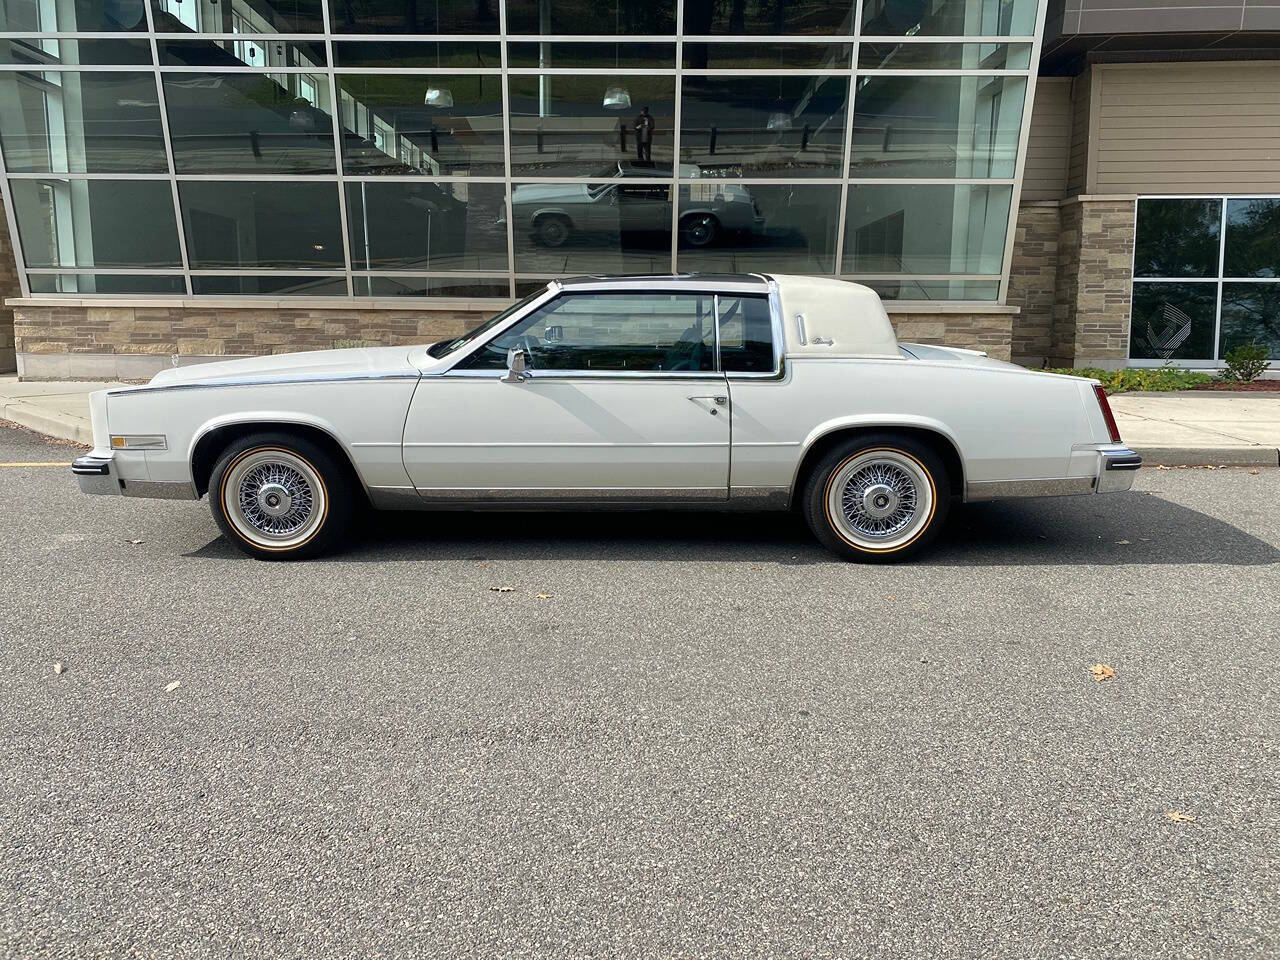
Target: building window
x=1206, y=277
x=468, y=148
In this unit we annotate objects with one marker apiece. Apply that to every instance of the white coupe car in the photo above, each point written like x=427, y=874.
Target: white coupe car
x=718, y=392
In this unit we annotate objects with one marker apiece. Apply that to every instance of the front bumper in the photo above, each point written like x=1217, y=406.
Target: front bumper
x=96, y=475
x=1116, y=470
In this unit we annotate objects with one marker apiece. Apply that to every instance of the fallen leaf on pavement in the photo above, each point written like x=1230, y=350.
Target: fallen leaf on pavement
x=58, y=668
x=1161, y=466
x=890, y=597
x=1253, y=473
x=543, y=596
x=1177, y=816
x=1102, y=672
x=135, y=542
x=1122, y=541
x=169, y=688
x=502, y=589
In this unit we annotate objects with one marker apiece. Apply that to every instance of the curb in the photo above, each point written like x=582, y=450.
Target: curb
x=51, y=424
x=1241, y=456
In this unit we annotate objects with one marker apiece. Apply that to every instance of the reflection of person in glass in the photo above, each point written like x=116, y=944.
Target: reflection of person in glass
x=644, y=135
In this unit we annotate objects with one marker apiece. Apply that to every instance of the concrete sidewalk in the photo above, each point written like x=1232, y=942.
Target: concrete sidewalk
x=1178, y=429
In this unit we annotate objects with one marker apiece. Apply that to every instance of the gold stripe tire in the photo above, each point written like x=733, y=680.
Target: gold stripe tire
x=277, y=496
x=877, y=498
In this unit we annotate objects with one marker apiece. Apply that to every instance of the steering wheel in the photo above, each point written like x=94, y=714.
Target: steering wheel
x=531, y=346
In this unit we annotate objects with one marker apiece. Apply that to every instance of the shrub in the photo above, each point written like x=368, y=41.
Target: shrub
x=1155, y=379
x=1245, y=363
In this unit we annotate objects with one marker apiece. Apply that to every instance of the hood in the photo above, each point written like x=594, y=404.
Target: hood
x=544, y=192
x=376, y=361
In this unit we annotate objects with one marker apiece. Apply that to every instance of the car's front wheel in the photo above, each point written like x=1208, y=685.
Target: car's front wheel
x=281, y=497
x=878, y=498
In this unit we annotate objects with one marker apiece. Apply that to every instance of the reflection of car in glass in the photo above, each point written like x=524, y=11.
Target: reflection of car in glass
x=551, y=213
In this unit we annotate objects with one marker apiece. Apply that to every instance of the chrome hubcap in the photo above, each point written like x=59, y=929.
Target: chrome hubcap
x=274, y=498
x=880, y=499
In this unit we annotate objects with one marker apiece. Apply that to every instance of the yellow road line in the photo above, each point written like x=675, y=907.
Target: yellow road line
x=36, y=463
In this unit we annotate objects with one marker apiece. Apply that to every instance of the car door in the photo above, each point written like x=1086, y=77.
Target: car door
x=621, y=401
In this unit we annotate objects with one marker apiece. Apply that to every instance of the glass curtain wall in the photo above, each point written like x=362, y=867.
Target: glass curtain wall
x=476, y=148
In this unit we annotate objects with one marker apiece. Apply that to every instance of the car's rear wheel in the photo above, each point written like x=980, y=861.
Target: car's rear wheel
x=281, y=497
x=552, y=231
x=878, y=498
x=700, y=230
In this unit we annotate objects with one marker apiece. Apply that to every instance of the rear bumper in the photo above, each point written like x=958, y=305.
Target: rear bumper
x=1116, y=470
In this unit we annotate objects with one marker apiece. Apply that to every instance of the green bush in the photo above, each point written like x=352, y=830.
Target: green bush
x=1245, y=363
x=1145, y=378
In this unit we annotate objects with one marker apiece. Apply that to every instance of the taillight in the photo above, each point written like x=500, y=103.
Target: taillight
x=1107, y=415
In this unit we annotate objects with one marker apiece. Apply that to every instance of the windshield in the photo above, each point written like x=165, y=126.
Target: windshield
x=445, y=347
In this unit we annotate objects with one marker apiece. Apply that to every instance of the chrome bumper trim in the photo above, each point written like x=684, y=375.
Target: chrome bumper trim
x=1117, y=469
x=160, y=489
x=95, y=476
x=1000, y=489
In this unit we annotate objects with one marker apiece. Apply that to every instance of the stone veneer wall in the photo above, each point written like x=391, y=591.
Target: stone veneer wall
x=1033, y=281
x=1094, y=285
x=74, y=341
x=9, y=287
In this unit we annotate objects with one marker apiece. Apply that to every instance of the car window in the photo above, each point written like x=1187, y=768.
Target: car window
x=611, y=331
x=746, y=335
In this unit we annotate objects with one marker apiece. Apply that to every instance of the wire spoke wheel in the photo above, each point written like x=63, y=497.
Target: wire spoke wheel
x=274, y=498
x=880, y=499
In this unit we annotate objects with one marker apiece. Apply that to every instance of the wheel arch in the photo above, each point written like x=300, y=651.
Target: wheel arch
x=215, y=437
x=827, y=436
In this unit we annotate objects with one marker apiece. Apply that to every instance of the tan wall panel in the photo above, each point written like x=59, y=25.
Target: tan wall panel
x=1048, y=141
x=1188, y=128
x=1078, y=162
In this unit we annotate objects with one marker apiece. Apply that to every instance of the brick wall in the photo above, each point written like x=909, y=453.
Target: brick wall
x=70, y=341
x=1033, y=281
x=9, y=287
x=1095, y=273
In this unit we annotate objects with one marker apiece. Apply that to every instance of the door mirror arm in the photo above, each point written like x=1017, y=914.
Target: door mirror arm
x=517, y=366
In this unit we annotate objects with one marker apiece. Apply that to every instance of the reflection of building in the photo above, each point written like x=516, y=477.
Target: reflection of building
x=329, y=170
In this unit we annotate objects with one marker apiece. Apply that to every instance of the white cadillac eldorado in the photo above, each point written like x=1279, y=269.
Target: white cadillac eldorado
x=720, y=392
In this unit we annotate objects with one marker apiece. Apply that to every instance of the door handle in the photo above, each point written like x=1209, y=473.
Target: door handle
x=718, y=399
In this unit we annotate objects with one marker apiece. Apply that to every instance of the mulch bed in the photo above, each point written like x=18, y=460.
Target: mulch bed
x=1257, y=386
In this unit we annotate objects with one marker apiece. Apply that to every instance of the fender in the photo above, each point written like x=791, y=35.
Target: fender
x=865, y=421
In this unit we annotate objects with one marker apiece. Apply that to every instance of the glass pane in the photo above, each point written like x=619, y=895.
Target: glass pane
x=911, y=289
x=65, y=121
x=937, y=126
x=244, y=122
x=71, y=16
x=270, y=286
x=633, y=18
x=727, y=227
x=245, y=224
x=461, y=287
x=1177, y=238
x=700, y=56
x=49, y=51
x=1172, y=321
x=944, y=56
x=581, y=125
x=746, y=335
x=416, y=53
x=763, y=126
x=407, y=124
x=258, y=52
x=765, y=17
x=262, y=17
x=414, y=16
x=427, y=226
x=169, y=284
x=563, y=229
x=621, y=54
x=1250, y=314
x=925, y=228
x=528, y=287
x=630, y=331
x=1253, y=238
x=949, y=18
x=96, y=223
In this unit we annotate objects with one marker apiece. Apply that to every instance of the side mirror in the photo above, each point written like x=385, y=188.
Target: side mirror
x=517, y=363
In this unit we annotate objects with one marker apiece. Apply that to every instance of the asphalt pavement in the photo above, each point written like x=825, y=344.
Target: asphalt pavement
x=675, y=735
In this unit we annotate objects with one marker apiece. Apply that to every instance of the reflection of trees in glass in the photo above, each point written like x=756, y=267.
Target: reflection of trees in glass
x=1253, y=238
x=1251, y=314
x=776, y=17
x=1177, y=238
x=1172, y=321
x=624, y=17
